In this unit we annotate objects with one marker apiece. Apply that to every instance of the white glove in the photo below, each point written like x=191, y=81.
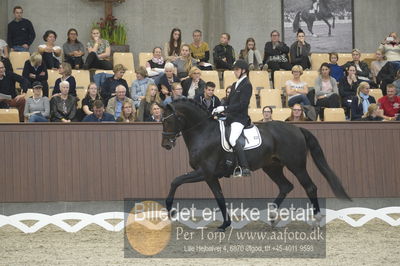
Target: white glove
x=218, y=110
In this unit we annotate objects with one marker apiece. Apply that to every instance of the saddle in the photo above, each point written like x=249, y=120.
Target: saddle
x=249, y=139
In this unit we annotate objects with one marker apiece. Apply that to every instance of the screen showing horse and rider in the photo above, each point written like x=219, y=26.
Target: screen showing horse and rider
x=327, y=24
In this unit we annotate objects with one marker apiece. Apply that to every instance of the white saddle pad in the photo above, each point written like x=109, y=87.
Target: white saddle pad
x=252, y=138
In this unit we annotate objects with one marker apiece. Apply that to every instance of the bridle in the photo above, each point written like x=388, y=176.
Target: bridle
x=175, y=134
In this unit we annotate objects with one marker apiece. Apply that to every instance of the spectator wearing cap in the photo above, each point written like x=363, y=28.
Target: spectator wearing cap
x=8, y=94
x=99, y=114
x=37, y=107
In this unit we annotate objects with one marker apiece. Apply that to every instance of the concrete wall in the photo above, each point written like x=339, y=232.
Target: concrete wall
x=150, y=21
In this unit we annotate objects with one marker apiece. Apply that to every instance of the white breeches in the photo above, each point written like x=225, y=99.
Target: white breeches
x=236, y=130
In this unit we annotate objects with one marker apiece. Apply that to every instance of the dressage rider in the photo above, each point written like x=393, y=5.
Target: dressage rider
x=236, y=110
x=315, y=7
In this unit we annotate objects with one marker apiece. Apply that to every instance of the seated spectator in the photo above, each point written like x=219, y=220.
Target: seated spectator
x=296, y=89
x=63, y=107
x=152, y=96
x=166, y=80
x=4, y=56
x=176, y=93
x=326, y=90
x=156, y=113
x=172, y=48
x=227, y=92
x=127, y=114
x=49, y=51
x=297, y=114
x=7, y=87
x=276, y=54
x=114, y=106
x=65, y=71
x=377, y=65
x=361, y=67
x=99, y=52
x=224, y=54
x=300, y=51
x=184, y=62
x=139, y=86
x=373, y=114
x=391, y=48
x=200, y=51
x=251, y=55
x=91, y=96
x=267, y=114
x=396, y=82
x=37, y=108
x=155, y=66
x=194, y=84
x=348, y=87
x=98, y=114
x=35, y=70
x=360, y=102
x=73, y=50
x=390, y=104
x=337, y=71
x=20, y=34
x=108, y=89
x=208, y=99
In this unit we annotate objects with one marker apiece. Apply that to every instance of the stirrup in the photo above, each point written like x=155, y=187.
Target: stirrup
x=237, y=172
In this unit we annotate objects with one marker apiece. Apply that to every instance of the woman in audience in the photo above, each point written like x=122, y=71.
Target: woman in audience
x=227, y=92
x=109, y=85
x=336, y=71
x=4, y=54
x=200, y=51
x=377, y=65
x=267, y=114
x=391, y=48
x=127, y=115
x=91, y=96
x=361, y=67
x=373, y=114
x=348, y=87
x=300, y=51
x=65, y=71
x=326, y=90
x=184, y=62
x=73, y=50
x=251, y=55
x=172, y=48
x=297, y=114
x=194, y=84
x=63, y=107
x=139, y=86
x=296, y=89
x=49, y=51
x=37, y=107
x=276, y=53
x=155, y=66
x=156, y=113
x=152, y=96
x=35, y=70
x=361, y=101
x=166, y=80
x=99, y=52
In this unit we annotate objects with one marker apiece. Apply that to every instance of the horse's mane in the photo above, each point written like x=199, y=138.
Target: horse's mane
x=190, y=102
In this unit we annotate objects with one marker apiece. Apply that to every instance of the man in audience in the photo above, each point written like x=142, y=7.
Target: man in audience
x=20, y=33
x=114, y=105
x=390, y=104
x=224, y=54
x=98, y=114
x=8, y=94
x=200, y=51
x=208, y=99
x=176, y=93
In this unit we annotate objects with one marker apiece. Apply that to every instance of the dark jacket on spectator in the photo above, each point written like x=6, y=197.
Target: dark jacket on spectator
x=280, y=51
x=186, y=86
x=364, y=68
x=72, y=86
x=357, y=107
x=7, y=84
x=221, y=52
x=29, y=69
x=57, y=111
x=164, y=81
x=109, y=86
x=20, y=33
x=345, y=89
x=215, y=102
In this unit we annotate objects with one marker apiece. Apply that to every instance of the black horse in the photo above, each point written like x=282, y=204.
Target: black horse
x=323, y=14
x=282, y=145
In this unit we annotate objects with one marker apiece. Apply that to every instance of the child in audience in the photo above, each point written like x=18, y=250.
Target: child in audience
x=184, y=62
x=251, y=55
x=336, y=71
x=224, y=54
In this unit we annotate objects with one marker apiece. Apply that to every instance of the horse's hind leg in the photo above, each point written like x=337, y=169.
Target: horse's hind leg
x=275, y=172
x=215, y=187
x=309, y=186
x=329, y=26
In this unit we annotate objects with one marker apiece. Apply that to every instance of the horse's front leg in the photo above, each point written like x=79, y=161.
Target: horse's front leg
x=215, y=187
x=192, y=177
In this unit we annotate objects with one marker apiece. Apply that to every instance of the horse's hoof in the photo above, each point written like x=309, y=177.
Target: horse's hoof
x=315, y=35
x=220, y=229
x=171, y=214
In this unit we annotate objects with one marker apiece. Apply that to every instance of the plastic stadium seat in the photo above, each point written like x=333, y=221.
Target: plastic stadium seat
x=280, y=78
x=18, y=59
x=53, y=76
x=126, y=59
x=81, y=93
x=144, y=57
x=211, y=75
x=318, y=59
x=259, y=79
x=29, y=93
x=253, y=101
x=281, y=114
x=376, y=93
x=129, y=75
x=344, y=58
x=334, y=114
x=309, y=76
x=270, y=97
x=255, y=114
x=82, y=78
x=9, y=116
x=219, y=93
x=368, y=58
x=104, y=71
x=229, y=78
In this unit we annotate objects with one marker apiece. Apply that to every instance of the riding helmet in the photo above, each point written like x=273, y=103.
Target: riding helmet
x=241, y=64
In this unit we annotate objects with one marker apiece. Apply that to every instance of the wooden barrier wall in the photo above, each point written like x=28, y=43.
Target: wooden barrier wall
x=90, y=162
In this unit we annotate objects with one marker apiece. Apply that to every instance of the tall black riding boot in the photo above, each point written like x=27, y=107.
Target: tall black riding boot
x=238, y=149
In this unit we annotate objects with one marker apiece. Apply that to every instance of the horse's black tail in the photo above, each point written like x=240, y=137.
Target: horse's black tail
x=319, y=159
x=296, y=22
